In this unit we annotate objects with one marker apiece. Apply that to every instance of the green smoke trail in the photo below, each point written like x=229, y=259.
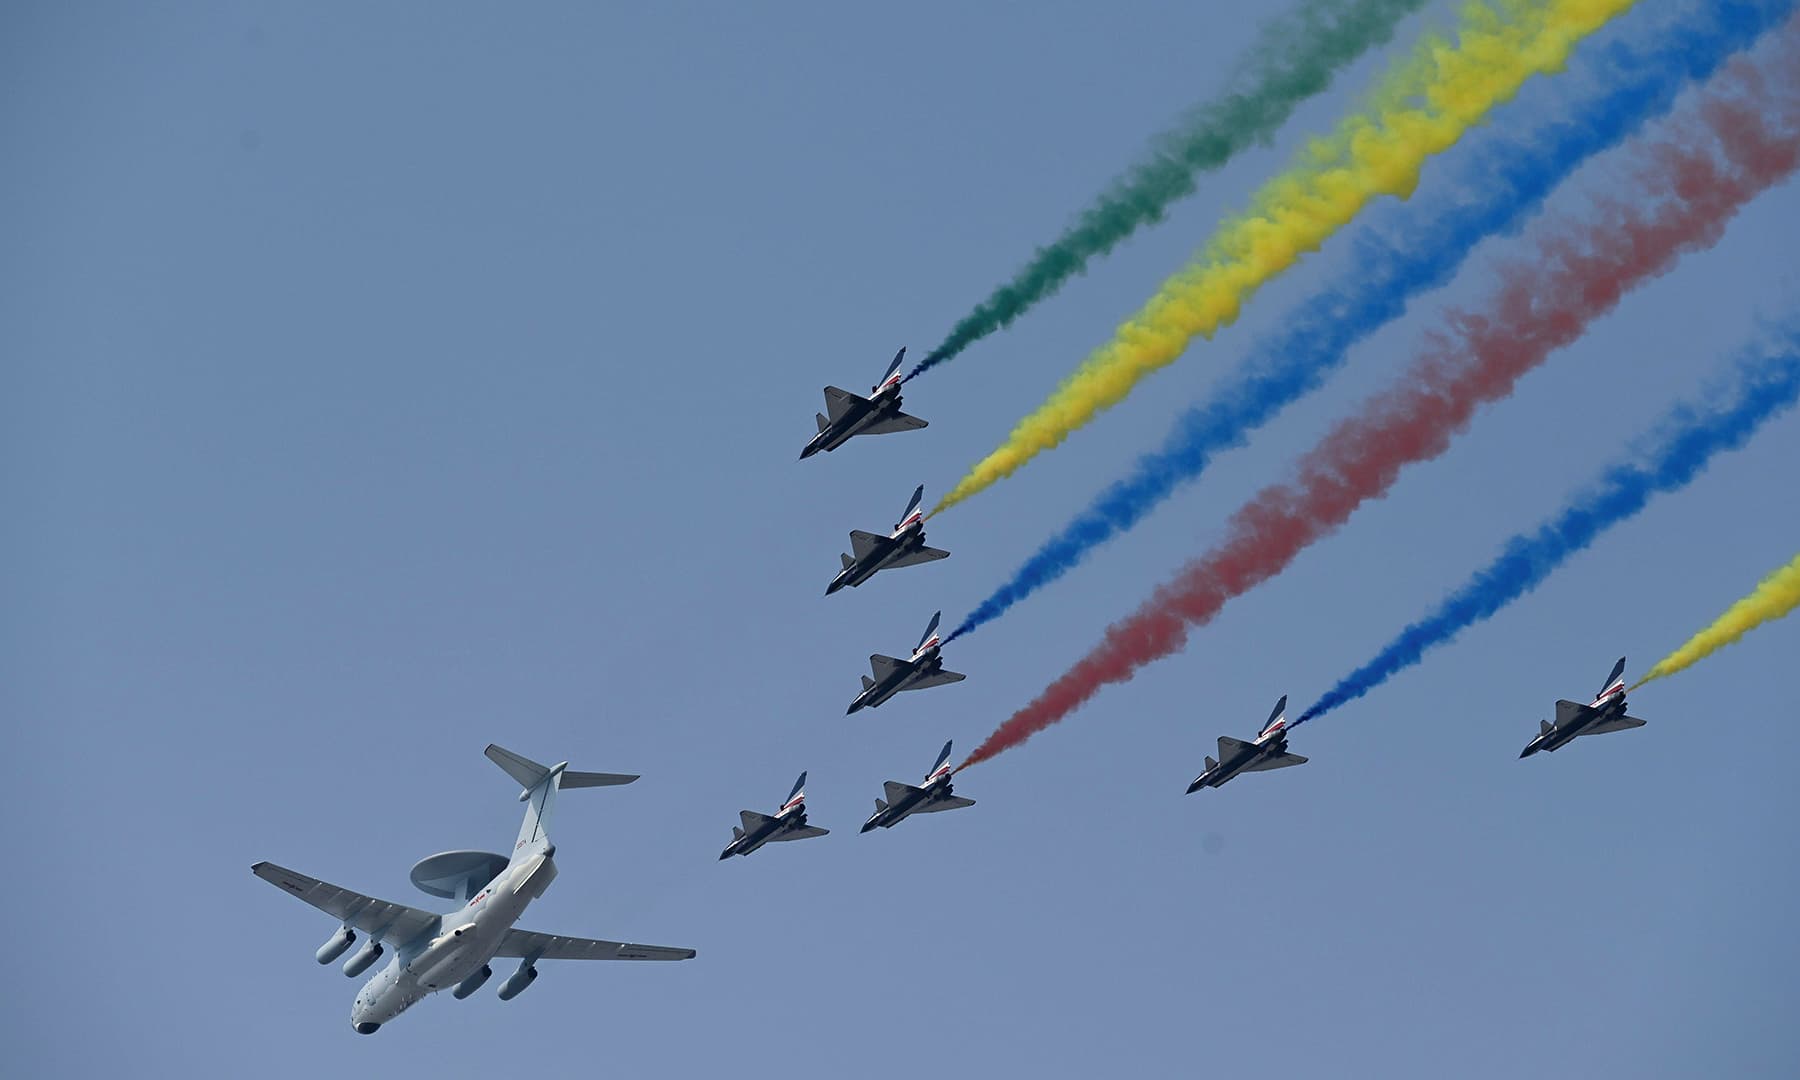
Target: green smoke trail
x=1295, y=57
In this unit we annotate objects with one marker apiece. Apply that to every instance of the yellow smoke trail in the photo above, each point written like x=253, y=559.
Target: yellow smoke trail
x=1778, y=594
x=1420, y=108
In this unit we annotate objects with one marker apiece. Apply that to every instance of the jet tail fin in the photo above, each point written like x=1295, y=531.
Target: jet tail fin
x=541, y=782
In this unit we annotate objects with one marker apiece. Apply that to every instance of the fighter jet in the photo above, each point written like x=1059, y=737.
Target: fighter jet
x=904, y=800
x=1573, y=719
x=789, y=823
x=905, y=546
x=1268, y=751
x=848, y=415
x=436, y=952
x=924, y=668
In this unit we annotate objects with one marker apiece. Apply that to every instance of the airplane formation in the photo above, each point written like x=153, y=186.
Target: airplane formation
x=1685, y=188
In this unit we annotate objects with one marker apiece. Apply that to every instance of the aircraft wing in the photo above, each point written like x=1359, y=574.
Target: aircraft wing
x=1276, y=761
x=1229, y=746
x=883, y=666
x=396, y=924
x=923, y=555
x=1567, y=712
x=838, y=402
x=896, y=422
x=1617, y=723
x=936, y=678
x=523, y=943
x=862, y=543
x=805, y=832
x=753, y=820
x=954, y=802
x=896, y=791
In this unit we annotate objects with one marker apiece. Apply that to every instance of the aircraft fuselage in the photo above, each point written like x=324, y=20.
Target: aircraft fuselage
x=1561, y=735
x=927, y=663
x=857, y=417
x=461, y=944
x=1238, y=762
x=894, y=547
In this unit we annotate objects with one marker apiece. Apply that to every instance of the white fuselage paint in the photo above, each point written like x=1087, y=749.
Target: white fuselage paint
x=462, y=942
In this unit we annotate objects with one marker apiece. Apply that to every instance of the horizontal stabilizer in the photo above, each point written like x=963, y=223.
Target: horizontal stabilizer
x=572, y=779
x=527, y=772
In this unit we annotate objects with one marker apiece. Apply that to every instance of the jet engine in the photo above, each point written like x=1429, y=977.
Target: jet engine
x=365, y=956
x=516, y=983
x=334, y=948
x=472, y=983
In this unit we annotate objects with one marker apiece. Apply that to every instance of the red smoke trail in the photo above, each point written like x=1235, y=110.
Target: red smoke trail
x=1686, y=184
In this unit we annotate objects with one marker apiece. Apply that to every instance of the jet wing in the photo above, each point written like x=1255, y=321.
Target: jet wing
x=896, y=791
x=1617, y=723
x=1229, y=746
x=862, y=543
x=523, y=943
x=396, y=924
x=883, y=666
x=753, y=820
x=805, y=832
x=1568, y=712
x=1276, y=761
x=936, y=678
x=923, y=555
x=838, y=402
x=954, y=802
x=896, y=422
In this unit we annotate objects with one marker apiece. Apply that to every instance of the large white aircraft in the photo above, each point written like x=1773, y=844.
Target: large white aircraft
x=435, y=952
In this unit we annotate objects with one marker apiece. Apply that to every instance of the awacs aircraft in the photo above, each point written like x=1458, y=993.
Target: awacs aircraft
x=1573, y=719
x=789, y=823
x=847, y=415
x=1268, y=751
x=905, y=546
x=904, y=800
x=435, y=952
x=924, y=668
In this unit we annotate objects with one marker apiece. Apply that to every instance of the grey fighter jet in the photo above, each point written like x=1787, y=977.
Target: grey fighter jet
x=435, y=952
x=1267, y=751
x=923, y=669
x=1573, y=719
x=847, y=415
x=789, y=823
x=905, y=546
x=904, y=800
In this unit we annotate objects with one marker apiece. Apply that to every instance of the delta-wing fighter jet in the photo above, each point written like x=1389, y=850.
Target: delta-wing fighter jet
x=1267, y=751
x=789, y=823
x=1573, y=719
x=847, y=415
x=905, y=546
x=925, y=668
x=904, y=800
x=435, y=952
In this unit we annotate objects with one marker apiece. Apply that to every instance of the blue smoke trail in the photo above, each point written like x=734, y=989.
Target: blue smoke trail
x=1421, y=251
x=1687, y=441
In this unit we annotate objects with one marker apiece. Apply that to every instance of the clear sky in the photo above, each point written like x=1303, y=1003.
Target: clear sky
x=384, y=380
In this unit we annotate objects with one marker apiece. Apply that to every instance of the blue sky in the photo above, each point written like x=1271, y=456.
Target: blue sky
x=387, y=380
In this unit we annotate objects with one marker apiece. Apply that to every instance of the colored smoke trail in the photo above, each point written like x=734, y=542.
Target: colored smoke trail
x=1683, y=196
x=1295, y=57
x=1686, y=443
x=1419, y=110
x=1775, y=596
x=1421, y=249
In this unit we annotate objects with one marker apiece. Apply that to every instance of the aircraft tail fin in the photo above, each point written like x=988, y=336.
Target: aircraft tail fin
x=541, y=784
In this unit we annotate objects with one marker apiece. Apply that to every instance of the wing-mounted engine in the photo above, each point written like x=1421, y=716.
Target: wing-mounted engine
x=457, y=875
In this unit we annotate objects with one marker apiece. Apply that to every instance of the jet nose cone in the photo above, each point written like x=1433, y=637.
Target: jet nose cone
x=726, y=854
x=367, y=1028
x=1195, y=786
x=834, y=587
x=868, y=826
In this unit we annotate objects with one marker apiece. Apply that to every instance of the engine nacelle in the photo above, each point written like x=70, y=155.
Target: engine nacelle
x=365, y=956
x=516, y=983
x=472, y=983
x=331, y=950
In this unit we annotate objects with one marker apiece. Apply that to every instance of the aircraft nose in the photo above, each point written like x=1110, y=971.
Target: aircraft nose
x=367, y=1028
